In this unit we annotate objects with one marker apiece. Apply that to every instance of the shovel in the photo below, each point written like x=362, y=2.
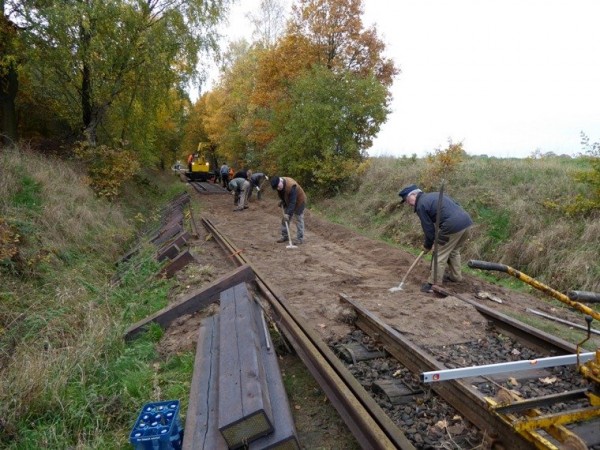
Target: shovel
x=399, y=287
x=287, y=227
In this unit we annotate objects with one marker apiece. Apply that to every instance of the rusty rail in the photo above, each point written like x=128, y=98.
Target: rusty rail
x=369, y=424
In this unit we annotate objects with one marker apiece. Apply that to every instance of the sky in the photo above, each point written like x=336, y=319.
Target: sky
x=506, y=78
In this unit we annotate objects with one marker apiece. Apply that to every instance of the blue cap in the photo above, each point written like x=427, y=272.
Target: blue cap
x=407, y=190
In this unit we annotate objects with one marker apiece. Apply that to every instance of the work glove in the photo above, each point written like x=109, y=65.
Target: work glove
x=280, y=204
x=286, y=217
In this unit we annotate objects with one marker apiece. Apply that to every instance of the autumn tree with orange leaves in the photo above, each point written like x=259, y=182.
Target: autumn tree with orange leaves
x=310, y=105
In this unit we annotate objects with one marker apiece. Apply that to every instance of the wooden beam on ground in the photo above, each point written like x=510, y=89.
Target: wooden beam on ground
x=175, y=265
x=193, y=301
x=284, y=431
x=168, y=234
x=245, y=412
x=201, y=430
x=168, y=252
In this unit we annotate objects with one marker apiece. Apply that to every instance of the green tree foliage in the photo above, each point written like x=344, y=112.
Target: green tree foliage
x=331, y=121
x=105, y=66
x=310, y=105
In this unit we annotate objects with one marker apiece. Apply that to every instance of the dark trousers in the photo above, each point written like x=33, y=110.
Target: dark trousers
x=225, y=179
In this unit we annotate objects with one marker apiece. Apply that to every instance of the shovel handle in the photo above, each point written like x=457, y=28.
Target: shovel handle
x=412, y=266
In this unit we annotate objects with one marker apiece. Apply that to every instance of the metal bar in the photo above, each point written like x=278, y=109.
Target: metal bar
x=461, y=396
x=484, y=265
x=436, y=234
x=585, y=296
x=546, y=400
x=566, y=322
x=508, y=367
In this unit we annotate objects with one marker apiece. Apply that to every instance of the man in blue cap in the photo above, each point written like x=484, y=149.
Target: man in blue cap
x=454, y=230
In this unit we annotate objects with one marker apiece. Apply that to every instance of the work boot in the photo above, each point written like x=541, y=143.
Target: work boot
x=297, y=241
x=427, y=288
x=281, y=240
x=238, y=209
x=448, y=279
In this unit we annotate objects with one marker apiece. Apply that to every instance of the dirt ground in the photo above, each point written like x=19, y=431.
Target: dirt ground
x=334, y=260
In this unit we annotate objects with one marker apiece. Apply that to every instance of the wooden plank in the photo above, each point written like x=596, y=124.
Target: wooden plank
x=244, y=406
x=168, y=233
x=201, y=431
x=169, y=251
x=284, y=432
x=175, y=265
x=193, y=301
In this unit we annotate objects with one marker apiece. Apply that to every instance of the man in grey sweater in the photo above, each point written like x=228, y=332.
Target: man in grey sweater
x=454, y=230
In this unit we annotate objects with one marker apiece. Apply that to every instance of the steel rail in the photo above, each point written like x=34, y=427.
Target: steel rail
x=535, y=338
x=369, y=424
x=457, y=393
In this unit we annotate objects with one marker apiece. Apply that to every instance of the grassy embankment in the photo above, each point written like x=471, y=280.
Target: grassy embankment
x=68, y=379
x=516, y=205
x=518, y=209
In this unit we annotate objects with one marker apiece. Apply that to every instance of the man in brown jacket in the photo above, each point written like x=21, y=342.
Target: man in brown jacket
x=293, y=201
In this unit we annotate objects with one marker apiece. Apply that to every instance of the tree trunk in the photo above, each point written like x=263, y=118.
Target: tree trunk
x=9, y=82
x=9, y=86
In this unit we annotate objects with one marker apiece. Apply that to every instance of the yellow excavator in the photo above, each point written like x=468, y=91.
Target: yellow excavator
x=198, y=165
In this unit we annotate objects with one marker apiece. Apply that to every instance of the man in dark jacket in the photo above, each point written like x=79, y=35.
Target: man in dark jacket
x=454, y=230
x=256, y=182
x=293, y=201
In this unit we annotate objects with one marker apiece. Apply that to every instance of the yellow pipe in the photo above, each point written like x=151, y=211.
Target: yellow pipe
x=484, y=265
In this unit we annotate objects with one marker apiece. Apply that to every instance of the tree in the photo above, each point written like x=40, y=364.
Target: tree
x=9, y=78
x=89, y=55
x=331, y=121
x=338, y=39
x=269, y=23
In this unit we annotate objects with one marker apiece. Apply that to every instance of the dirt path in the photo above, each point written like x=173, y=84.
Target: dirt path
x=335, y=260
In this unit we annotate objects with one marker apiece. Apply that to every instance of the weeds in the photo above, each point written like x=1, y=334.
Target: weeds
x=68, y=379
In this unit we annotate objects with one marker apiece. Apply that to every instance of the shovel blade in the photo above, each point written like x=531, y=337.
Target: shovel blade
x=397, y=288
x=291, y=246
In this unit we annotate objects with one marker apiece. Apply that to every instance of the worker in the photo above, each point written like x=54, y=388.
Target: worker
x=224, y=171
x=292, y=201
x=454, y=231
x=189, y=161
x=243, y=174
x=240, y=188
x=257, y=180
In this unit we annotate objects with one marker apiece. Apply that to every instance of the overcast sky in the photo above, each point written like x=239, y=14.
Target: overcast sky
x=504, y=77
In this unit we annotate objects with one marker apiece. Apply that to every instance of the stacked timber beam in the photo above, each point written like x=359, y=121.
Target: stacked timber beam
x=237, y=398
x=169, y=237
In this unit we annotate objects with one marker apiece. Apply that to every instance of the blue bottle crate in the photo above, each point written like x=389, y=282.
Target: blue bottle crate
x=158, y=427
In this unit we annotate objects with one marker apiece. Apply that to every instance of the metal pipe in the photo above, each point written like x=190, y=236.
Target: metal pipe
x=484, y=265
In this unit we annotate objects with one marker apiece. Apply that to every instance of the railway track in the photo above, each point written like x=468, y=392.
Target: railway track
x=204, y=187
x=476, y=399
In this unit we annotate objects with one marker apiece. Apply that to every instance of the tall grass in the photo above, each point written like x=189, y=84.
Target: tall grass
x=68, y=379
x=512, y=202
